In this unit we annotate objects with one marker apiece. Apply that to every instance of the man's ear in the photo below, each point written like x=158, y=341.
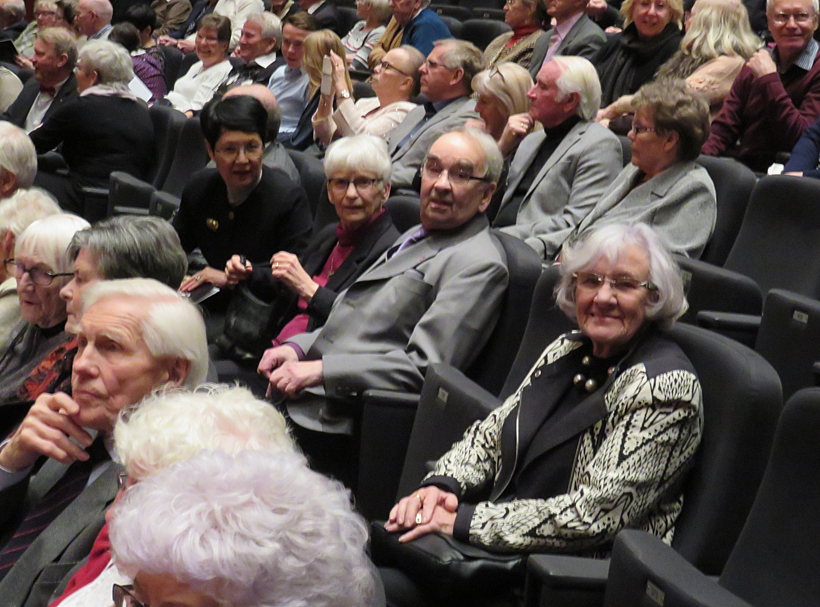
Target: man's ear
x=8, y=183
x=458, y=76
x=489, y=190
x=7, y=244
x=62, y=60
x=178, y=372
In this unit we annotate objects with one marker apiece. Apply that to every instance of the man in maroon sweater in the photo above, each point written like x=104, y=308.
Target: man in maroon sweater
x=776, y=96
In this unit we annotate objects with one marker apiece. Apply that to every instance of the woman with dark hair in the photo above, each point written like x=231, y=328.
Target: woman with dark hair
x=241, y=207
x=144, y=18
x=197, y=87
x=146, y=68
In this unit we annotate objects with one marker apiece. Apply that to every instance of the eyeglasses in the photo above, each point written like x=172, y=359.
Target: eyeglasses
x=386, y=65
x=39, y=276
x=624, y=285
x=362, y=184
x=123, y=598
x=458, y=175
x=122, y=480
x=252, y=150
x=431, y=65
x=641, y=129
x=496, y=72
x=801, y=18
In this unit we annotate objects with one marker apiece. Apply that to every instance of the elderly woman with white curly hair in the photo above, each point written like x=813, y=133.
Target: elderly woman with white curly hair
x=106, y=129
x=243, y=531
x=600, y=434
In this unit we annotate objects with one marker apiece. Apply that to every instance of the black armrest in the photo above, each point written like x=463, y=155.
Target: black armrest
x=645, y=571
x=129, y=195
x=390, y=398
x=95, y=203
x=569, y=581
x=164, y=205
x=740, y=327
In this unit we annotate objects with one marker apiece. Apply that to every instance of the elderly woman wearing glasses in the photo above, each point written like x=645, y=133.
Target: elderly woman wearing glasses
x=395, y=81
x=41, y=267
x=664, y=186
x=599, y=435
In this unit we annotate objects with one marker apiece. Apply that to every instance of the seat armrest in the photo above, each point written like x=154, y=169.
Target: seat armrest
x=390, y=398
x=740, y=327
x=568, y=581
x=95, y=203
x=645, y=571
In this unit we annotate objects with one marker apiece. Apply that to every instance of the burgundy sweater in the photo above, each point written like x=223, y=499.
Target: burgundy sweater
x=767, y=115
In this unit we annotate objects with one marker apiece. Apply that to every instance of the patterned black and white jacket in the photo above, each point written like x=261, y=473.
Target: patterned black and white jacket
x=627, y=447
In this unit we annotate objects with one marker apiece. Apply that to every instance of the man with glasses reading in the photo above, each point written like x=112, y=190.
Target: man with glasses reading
x=446, y=81
x=776, y=96
x=433, y=297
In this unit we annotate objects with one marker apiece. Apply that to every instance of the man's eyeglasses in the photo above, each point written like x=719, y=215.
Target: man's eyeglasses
x=801, y=18
x=123, y=598
x=253, y=149
x=362, y=184
x=625, y=285
x=39, y=276
x=431, y=65
x=458, y=175
x=386, y=65
x=637, y=129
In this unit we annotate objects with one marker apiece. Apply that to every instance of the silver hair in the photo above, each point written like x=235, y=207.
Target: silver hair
x=172, y=326
x=610, y=242
x=271, y=26
x=17, y=154
x=579, y=76
x=464, y=55
x=493, y=160
x=174, y=425
x=382, y=10
x=359, y=153
x=128, y=246
x=103, y=9
x=23, y=208
x=110, y=60
x=15, y=8
x=249, y=530
x=510, y=88
x=48, y=239
x=814, y=4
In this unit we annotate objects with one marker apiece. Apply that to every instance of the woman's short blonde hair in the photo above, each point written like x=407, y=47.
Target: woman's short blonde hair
x=675, y=8
x=508, y=83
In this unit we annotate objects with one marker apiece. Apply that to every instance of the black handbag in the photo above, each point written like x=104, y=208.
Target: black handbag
x=453, y=572
x=248, y=324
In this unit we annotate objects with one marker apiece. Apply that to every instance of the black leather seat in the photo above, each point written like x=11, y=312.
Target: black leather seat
x=312, y=172
x=453, y=23
x=775, y=561
x=481, y=32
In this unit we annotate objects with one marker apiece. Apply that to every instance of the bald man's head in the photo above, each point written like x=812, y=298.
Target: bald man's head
x=268, y=100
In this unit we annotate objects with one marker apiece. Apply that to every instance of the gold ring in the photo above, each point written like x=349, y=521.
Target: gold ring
x=276, y=264
x=418, y=518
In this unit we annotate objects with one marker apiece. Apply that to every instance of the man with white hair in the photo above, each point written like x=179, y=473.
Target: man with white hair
x=18, y=160
x=135, y=335
x=13, y=15
x=560, y=172
x=258, y=45
x=93, y=19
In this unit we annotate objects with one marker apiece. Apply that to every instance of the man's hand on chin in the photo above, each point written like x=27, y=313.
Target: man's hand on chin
x=47, y=430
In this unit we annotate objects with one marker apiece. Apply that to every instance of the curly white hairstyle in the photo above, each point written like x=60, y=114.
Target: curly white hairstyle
x=250, y=530
x=174, y=425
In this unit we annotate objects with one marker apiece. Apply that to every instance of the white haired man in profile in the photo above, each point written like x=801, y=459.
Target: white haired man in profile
x=56, y=471
x=18, y=160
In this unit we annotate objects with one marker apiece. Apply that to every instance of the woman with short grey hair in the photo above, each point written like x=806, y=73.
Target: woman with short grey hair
x=105, y=130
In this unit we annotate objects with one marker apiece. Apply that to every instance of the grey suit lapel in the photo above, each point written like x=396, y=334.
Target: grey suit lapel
x=573, y=32
x=528, y=151
x=411, y=120
x=443, y=114
x=567, y=142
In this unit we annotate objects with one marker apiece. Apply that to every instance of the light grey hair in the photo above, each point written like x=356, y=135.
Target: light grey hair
x=17, y=154
x=668, y=301
x=249, y=530
x=172, y=326
x=63, y=42
x=271, y=26
x=359, y=153
x=48, y=239
x=15, y=8
x=110, y=60
x=493, y=160
x=464, y=55
x=24, y=207
x=509, y=83
x=579, y=76
x=814, y=4
x=134, y=247
x=381, y=9
x=174, y=425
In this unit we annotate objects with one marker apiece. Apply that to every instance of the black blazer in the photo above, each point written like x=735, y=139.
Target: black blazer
x=380, y=237
x=18, y=111
x=328, y=18
x=302, y=137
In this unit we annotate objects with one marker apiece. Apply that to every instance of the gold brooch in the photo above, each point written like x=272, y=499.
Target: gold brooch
x=212, y=224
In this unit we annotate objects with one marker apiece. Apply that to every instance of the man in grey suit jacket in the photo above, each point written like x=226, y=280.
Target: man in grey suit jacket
x=115, y=367
x=446, y=81
x=559, y=174
x=433, y=297
x=574, y=34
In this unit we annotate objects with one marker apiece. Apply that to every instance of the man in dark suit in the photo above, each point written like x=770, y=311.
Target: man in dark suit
x=124, y=353
x=326, y=15
x=574, y=34
x=55, y=55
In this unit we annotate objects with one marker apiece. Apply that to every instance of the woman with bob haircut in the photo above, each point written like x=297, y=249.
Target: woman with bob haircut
x=598, y=437
x=395, y=80
x=717, y=44
x=629, y=59
x=193, y=90
x=358, y=184
x=243, y=531
x=502, y=94
x=664, y=186
x=42, y=266
x=106, y=129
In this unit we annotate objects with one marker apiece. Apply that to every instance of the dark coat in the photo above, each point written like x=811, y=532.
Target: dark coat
x=18, y=111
